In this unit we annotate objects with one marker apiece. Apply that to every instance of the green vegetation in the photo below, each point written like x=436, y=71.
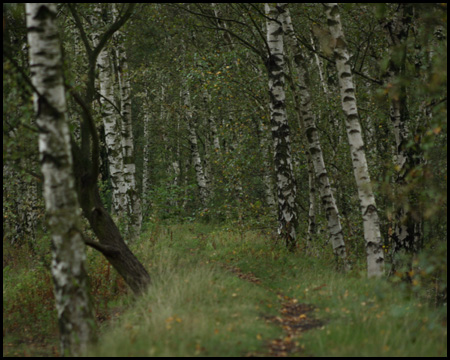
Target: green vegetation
x=198, y=306
x=175, y=97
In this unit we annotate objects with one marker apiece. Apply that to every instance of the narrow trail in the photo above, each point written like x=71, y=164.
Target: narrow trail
x=294, y=318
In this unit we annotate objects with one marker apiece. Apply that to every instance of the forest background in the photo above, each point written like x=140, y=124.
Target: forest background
x=168, y=105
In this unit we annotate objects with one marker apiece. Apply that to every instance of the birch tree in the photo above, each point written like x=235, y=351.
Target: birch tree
x=75, y=316
x=286, y=188
x=86, y=167
x=406, y=236
x=129, y=167
x=196, y=160
x=111, y=122
x=315, y=149
x=374, y=251
x=146, y=155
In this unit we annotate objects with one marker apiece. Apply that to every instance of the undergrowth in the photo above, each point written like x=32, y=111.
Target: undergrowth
x=197, y=305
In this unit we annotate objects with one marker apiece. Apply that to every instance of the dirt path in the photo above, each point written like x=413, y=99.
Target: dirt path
x=294, y=317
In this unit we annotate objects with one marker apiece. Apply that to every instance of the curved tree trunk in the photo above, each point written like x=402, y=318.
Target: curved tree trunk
x=75, y=315
x=111, y=243
x=85, y=156
x=374, y=250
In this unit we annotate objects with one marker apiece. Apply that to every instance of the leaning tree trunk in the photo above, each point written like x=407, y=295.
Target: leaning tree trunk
x=111, y=243
x=374, y=250
x=286, y=189
x=315, y=150
x=75, y=315
x=86, y=169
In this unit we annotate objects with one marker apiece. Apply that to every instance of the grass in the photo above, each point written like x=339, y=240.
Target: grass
x=194, y=307
x=197, y=306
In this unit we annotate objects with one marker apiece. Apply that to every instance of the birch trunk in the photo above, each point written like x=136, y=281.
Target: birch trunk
x=113, y=129
x=267, y=171
x=196, y=160
x=406, y=235
x=286, y=188
x=75, y=316
x=374, y=251
x=312, y=203
x=129, y=167
x=315, y=149
x=146, y=160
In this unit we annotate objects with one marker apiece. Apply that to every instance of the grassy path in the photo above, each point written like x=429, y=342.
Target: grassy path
x=293, y=317
x=221, y=293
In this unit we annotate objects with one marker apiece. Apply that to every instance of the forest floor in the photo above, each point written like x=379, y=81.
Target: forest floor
x=218, y=291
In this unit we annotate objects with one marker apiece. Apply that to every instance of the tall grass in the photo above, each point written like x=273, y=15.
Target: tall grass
x=193, y=308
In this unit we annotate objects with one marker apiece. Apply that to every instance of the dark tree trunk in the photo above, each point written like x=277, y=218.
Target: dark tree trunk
x=111, y=243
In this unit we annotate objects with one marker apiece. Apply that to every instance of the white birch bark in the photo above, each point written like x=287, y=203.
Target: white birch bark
x=214, y=133
x=113, y=127
x=73, y=306
x=315, y=149
x=129, y=167
x=146, y=157
x=196, y=160
x=267, y=173
x=373, y=244
x=319, y=64
x=312, y=202
x=286, y=188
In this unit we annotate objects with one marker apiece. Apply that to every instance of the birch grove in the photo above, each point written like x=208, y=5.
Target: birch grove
x=300, y=142
x=315, y=149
